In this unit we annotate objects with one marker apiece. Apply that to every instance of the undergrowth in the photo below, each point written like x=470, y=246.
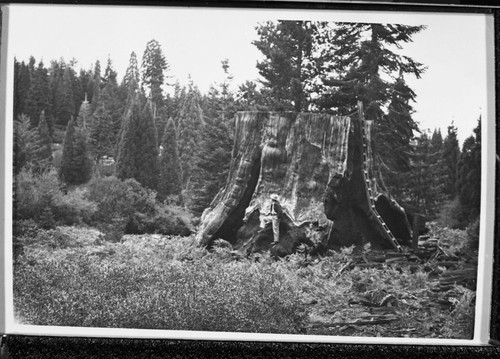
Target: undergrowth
x=70, y=276
x=162, y=284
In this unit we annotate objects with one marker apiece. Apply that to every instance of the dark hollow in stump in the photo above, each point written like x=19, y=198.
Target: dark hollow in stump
x=321, y=167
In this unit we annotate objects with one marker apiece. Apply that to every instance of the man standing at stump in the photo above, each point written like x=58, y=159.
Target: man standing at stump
x=275, y=213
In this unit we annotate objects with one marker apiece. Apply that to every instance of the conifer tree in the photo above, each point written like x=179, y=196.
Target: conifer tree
x=110, y=75
x=174, y=103
x=189, y=129
x=76, y=166
x=113, y=103
x=101, y=131
x=138, y=148
x=96, y=86
x=469, y=175
x=22, y=85
x=422, y=185
x=212, y=162
x=362, y=53
x=131, y=79
x=38, y=96
x=395, y=130
x=153, y=68
x=214, y=155
x=64, y=106
x=287, y=67
x=451, y=153
x=83, y=119
x=24, y=138
x=170, y=166
x=42, y=146
x=76, y=87
x=249, y=98
x=437, y=140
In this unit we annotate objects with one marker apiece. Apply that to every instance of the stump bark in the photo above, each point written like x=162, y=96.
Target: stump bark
x=321, y=167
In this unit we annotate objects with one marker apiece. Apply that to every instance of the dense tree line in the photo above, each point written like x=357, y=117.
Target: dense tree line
x=178, y=142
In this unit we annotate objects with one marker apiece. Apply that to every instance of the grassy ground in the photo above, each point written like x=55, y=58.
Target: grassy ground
x=69, y=276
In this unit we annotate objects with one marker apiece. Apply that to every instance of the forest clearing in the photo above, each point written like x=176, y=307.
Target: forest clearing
x=69, y=277
x=138, y=208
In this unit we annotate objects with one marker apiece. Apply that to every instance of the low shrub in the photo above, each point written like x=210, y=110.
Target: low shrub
x=119, y=199
x=39, y=197
x=168, y=220
x=51, y=238
x=74, y=208
x=192, y=295
x=33, y=192
x=128, y=207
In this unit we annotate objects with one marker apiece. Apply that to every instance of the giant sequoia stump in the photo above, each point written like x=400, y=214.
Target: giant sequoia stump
x=321, y=167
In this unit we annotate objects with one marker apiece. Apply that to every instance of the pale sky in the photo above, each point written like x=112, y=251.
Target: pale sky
x=195, y=41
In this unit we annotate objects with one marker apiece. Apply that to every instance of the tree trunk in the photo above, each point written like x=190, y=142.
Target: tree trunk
x=320, y=166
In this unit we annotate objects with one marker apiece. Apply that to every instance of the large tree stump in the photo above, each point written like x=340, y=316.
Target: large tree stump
x=321, y=167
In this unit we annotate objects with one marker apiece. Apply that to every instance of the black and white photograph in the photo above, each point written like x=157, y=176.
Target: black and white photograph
x=254, y=174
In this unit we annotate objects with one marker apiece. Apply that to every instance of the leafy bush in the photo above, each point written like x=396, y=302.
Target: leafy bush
x=38, y=196
x=168, y=220
x=131, y=208
x=33, y=192
x=74, y=208
x=51, y=238
x=119, y=199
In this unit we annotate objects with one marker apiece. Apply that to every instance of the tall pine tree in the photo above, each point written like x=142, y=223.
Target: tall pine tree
x=170, y=165
x=101, y=131
x=76, y=166
x=83, y=119
x=42, y=146
x=288, y=65
x=138, y=148
x=22, y=85
x=364, y=62
x=38, y=96
x=96, y=86
x=451, y=153
x=24, y=138
x=153, y=68
x=190, y=123
x=63, y=100
x=131, y=79
x=469, y=175
x=422, y=186
x=396, y=129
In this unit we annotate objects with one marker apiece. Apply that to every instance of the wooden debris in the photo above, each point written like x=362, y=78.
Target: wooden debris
x=347, y=265
x=370, y=320
x=376, y=258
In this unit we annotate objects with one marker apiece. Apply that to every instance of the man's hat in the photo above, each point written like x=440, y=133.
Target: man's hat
x=274, y=197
